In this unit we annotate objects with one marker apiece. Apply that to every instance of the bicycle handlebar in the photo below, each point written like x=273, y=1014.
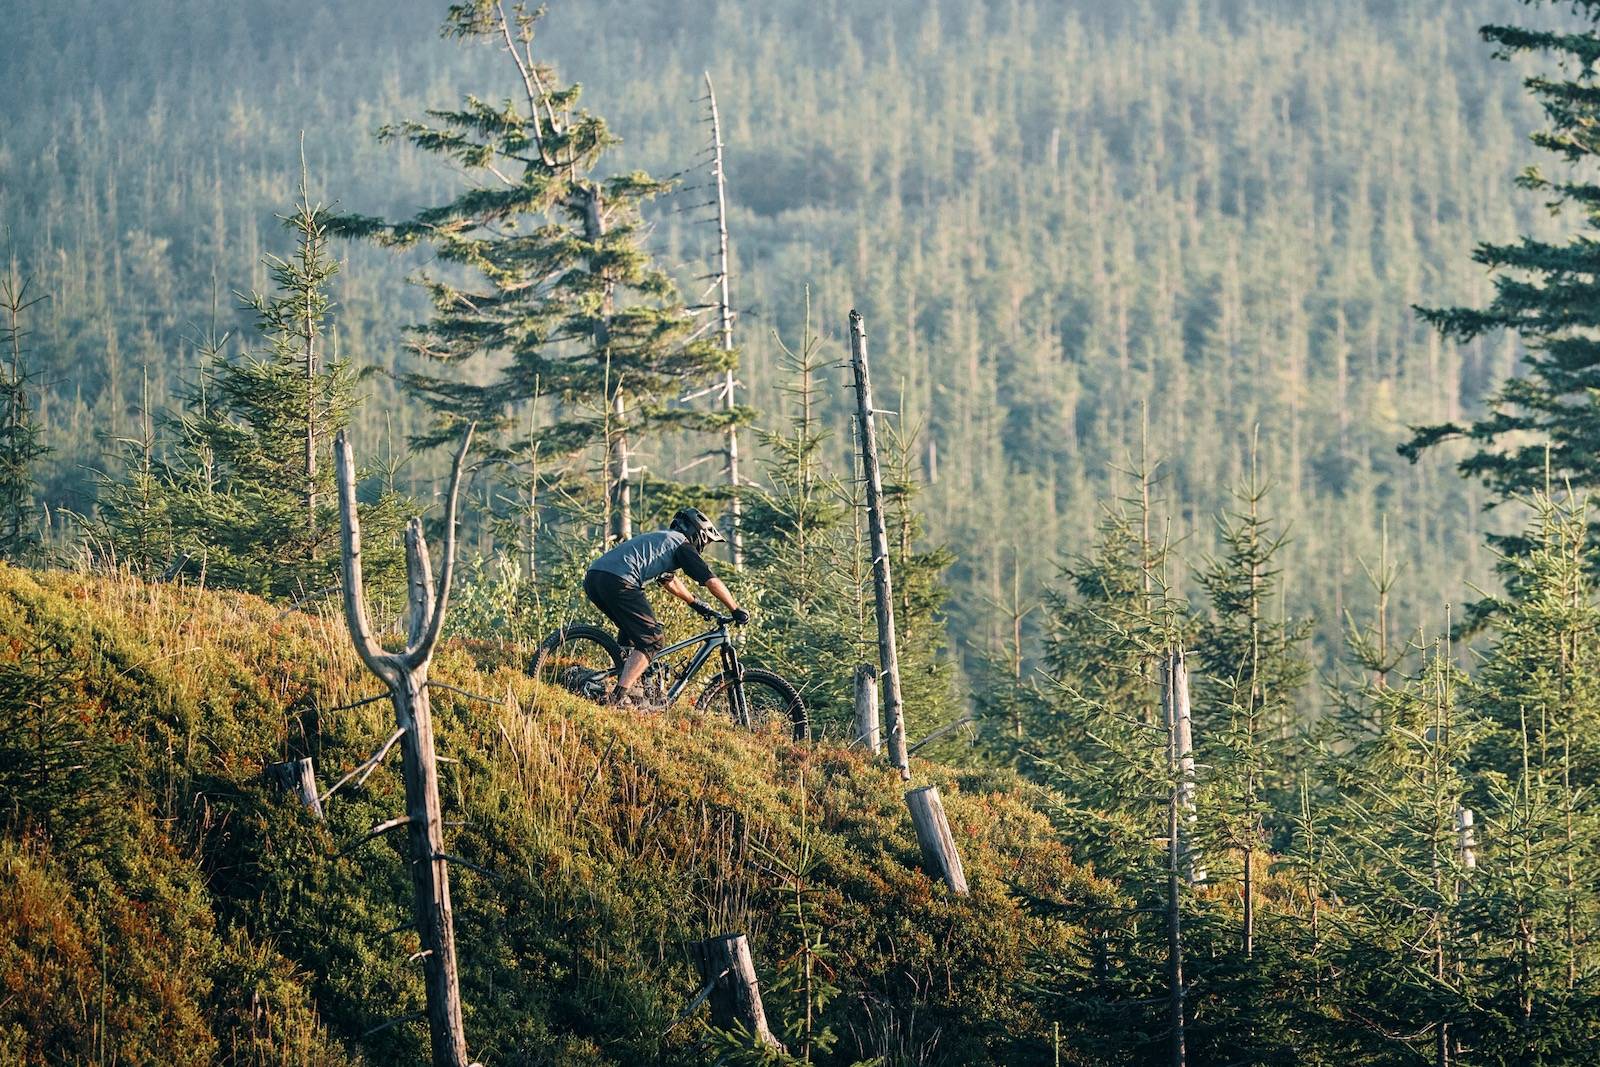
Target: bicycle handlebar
x=711, y=614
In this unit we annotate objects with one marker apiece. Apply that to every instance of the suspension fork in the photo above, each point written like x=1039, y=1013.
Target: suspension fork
x=737, y=704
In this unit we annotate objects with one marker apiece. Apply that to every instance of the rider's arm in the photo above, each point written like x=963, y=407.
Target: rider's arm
x=675, y=586
x=715, y=587
x=695, y=567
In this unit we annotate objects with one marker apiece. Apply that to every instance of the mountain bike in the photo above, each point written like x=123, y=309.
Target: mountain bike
x=585, y=660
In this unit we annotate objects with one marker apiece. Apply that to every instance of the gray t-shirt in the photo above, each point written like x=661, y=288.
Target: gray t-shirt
x=651, y=555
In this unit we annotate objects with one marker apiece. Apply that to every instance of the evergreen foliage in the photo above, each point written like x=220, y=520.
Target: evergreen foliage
x=1040, y=207
x=21, y=436
x=241, y=491
x=1543, y=423
x=549, y=275
x=1254, y=671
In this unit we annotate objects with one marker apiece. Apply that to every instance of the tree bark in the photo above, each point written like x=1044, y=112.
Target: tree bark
x=1175, y=698
x=725, y=317
x=888, y=655
x=300, y=778
x=939, y=855
x=867, y=708
x=724, y=963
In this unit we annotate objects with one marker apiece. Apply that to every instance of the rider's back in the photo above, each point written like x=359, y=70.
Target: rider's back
x=643, y=558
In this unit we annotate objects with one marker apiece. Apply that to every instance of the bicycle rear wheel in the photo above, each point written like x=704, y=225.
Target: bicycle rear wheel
x=775, y=705
x=580, y=659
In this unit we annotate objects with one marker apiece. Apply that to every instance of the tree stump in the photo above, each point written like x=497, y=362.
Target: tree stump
x=299, y=777
x=939, y=855
x=725, y=965
x=867, y=708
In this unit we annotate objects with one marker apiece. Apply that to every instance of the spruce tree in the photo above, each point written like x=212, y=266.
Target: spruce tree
x=1398, y=940
x=548, y=276
x=1538, y=762
x=242, y=493
x=1544, y=422
x=1253, y=669
x=21, y=436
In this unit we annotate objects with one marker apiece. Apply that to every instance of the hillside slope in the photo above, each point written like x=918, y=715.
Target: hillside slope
x=159, y=904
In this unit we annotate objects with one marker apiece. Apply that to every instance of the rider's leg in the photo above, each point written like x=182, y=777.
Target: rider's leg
x=632, y=669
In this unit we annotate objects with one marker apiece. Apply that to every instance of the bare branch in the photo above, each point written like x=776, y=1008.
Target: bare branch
x=376, y=831
x=422, y=650
x=355, y=607
x=365, y=768
x=463, y=692
x=419, y=582
x=413, y=1017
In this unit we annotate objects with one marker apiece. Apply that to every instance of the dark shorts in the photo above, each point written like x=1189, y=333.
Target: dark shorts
x=624, y=604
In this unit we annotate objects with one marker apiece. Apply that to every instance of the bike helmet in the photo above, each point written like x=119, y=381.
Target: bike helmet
x=693, y=524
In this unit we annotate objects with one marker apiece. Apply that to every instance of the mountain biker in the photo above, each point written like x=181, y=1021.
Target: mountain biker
x=615, y=584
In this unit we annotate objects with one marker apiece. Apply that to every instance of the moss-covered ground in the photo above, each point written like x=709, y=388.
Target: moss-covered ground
x=161, y=904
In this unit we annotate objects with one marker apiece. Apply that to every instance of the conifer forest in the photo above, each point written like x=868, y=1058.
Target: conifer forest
x=1023, y=532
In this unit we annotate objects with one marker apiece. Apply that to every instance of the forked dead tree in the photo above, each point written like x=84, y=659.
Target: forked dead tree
x=405, y=675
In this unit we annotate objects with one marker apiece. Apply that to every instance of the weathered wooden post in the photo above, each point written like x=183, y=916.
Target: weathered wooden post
x=1175, y=703
x=405, y=674
x=867, y=708
x=299, y=777
x=939, y=855
x=729, y=973
x=888, y=657
x=725, y=331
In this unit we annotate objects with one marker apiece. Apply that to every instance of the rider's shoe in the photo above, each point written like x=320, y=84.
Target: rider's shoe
x=633, y=699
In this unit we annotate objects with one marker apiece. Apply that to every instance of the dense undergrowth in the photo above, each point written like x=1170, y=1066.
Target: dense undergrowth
x=160, y=904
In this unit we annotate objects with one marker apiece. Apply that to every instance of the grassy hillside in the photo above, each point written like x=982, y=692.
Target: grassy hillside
x=160, y=904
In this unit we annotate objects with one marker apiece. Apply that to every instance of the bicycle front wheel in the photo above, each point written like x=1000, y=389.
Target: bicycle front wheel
x=580, y=659
x=774, y=704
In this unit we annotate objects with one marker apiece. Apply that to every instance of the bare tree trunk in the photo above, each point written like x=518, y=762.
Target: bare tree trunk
x=622, y=487
x=1175, y=695
x=725, y=313
x=406, y=676
x=618, y=492
x=888, y=655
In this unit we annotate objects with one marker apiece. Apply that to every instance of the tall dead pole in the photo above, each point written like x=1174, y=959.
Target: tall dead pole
x=725, y=313
x=405, y=674
x=888, y=656
x=1180, y=813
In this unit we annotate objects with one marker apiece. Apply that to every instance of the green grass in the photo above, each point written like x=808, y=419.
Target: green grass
x=160, y=904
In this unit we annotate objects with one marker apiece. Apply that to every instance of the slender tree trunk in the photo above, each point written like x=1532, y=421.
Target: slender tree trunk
x=311, y=427
x=619, y=493
x=725, y=316
x=430, y=873
x=622, y=487
x=888, y=655
x=1180, y=805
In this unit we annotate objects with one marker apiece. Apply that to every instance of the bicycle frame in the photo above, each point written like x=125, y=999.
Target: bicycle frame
x=711, y=641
